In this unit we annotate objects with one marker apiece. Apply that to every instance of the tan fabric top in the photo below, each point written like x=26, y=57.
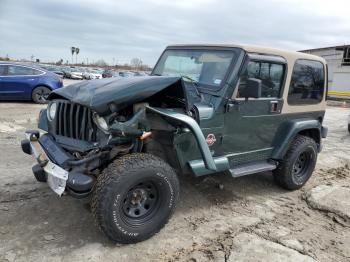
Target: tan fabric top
x=293, y=55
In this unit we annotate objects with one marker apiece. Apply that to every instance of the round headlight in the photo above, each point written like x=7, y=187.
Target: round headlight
x=51, y=111
x=101, y=122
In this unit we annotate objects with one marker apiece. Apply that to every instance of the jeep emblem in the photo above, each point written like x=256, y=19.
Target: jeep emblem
x=210, y=139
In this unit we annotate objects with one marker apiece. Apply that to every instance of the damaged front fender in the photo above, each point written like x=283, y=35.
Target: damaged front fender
x=195, y=129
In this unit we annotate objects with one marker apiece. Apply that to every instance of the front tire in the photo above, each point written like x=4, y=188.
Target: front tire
x=40, y=94
x=134, y=197
x=298, y=164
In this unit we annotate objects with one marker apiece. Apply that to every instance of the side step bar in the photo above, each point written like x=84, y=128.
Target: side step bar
x=252, y=168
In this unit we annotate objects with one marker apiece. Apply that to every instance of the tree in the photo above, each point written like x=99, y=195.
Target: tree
x=73, y=51
x=101, y=62
x=77, y=50
x=59, y=62
x=136, y=62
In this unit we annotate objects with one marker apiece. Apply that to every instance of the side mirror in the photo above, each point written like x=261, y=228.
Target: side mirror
x=253, y=88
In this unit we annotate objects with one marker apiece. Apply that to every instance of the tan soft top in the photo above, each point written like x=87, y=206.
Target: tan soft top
x=288, y=55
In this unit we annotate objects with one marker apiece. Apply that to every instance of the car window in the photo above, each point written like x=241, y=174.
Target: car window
x=22, y=71
x=271, y=75
x=36, y=72
x=307, y=84
x=2, y=70
x=207, y=67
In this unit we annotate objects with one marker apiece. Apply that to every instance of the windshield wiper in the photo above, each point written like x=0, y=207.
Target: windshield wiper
x=194, y=84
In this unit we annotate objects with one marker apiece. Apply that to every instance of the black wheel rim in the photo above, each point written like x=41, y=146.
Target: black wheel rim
x=301, y=164
x=41, y=95
x=141, y=203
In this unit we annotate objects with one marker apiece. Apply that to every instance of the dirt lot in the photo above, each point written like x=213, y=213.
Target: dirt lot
x=218, y=218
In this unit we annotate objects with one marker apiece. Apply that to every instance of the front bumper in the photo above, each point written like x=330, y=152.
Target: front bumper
x=55, y=176
x=53, y=165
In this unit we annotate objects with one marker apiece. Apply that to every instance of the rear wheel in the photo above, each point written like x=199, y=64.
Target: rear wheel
x=134, y=197
x=298, y=164
x=40, y=94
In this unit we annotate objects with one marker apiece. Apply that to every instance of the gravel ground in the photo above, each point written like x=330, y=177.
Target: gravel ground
x=218, y=218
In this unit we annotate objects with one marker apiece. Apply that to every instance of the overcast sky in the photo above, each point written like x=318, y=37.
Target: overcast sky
x=121, y=30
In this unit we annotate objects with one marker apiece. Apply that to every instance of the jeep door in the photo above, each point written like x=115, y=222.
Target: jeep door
x=251, y=124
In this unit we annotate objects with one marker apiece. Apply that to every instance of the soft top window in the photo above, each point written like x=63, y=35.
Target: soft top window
x=307, y=84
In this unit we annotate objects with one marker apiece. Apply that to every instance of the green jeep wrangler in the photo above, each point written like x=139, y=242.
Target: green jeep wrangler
x=205, y=109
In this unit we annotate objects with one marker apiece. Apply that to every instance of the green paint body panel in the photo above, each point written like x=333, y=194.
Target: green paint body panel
x=289, y=130
x=198, y=167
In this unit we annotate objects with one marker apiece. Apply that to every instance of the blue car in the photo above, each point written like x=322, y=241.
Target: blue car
x=27, y=82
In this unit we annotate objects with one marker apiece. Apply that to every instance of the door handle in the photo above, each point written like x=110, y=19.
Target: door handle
x=274, y=107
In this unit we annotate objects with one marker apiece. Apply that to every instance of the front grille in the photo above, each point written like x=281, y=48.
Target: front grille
x=75, y=121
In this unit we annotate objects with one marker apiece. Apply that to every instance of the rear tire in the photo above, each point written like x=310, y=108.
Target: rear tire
x=298, y=164
x=134, y=197
x=40, y=94
x=349, y=128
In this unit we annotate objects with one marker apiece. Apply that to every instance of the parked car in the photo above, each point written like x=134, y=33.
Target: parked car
x=67, y=72
x=139, y=73
x=77, y=73
x=27, y=82
x=126, y=74
x=92, y=74
x=108, y=73
x=53, y=69
x=228, y=108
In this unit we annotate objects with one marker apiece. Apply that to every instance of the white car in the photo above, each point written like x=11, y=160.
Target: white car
x=77, y=74
x=92, y=74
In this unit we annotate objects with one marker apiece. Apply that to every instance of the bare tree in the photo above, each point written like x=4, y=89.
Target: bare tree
x=73, y=51
x=100, y=62
x=136, y=62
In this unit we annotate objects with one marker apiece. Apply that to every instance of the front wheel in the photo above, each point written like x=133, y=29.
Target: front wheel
x=298, y=164
x=134, y=197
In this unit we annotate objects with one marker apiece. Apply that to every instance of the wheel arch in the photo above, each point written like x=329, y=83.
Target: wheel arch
x=44, y=85
x=39, y=85
x=288, y=132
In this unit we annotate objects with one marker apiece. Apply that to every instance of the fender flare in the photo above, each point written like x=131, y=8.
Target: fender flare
x=289, y=131
x=195, y=129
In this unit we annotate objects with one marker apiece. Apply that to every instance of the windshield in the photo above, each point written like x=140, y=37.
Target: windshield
x=206, y=67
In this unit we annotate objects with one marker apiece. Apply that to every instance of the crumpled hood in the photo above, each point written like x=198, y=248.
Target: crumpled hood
x=98, y=94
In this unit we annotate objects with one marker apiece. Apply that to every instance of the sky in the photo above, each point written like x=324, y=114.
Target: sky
x=117, y=31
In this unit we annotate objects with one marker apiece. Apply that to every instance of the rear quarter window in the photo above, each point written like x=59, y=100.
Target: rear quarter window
x=307, y=83
x=2, y=70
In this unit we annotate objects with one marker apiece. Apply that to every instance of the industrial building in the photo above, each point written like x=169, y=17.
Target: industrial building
x=338, y=59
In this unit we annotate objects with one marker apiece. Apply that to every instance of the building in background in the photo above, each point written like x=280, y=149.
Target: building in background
x=338, y=60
